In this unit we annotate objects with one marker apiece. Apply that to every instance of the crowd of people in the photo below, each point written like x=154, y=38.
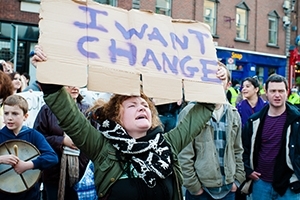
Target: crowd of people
x=129, y=148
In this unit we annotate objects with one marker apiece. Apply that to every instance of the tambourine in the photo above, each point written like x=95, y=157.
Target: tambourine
x=12, y=182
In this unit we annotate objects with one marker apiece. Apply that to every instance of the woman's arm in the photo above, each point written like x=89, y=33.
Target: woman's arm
x=72, y=121
x=189, y=127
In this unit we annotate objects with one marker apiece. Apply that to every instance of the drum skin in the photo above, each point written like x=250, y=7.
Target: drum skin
x=12, y=182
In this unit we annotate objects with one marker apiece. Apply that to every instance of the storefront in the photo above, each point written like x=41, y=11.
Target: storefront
x=243, y=64
x=16, y=41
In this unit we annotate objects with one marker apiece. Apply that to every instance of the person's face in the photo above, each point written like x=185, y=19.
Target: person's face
x=136, y=116
x=249, y=90
x=73, y=91
x=17, y=81
x=276, y=94
x=14, y=117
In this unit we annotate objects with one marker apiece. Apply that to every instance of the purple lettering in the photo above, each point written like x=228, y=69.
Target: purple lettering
x=207, y=71
x=93, y=23
x=183, y=45
x=190, y=69
x=83, y=40
x=156, y=35
x=128, y=34
x=172, y=66
x=149, y=56
x=200, y=36
x=130, y=54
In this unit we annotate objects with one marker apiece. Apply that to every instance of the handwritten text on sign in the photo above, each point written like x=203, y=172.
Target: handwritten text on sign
x=96, y=21
x=109, y=39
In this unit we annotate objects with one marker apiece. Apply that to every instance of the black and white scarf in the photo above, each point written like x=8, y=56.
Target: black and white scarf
x=150, y=155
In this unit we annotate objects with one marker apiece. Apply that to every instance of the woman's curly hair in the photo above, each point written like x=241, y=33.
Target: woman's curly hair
x=112, y=110
x=6, y=86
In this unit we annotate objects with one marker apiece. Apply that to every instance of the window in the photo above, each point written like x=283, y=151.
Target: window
x=108, y=2
x=241, y=20
x=163, y=7
x=210, y=15
x=273, y=28
x=259, y=71
x=136, y=4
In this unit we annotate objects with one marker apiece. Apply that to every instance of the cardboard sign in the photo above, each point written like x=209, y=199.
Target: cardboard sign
x=35, y=101
x=109, y=49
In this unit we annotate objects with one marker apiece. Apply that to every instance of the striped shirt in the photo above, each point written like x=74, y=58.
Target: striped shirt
x=270, y=145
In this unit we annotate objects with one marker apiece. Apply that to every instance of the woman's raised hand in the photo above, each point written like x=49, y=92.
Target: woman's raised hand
x=39, y=55
x=221, y=73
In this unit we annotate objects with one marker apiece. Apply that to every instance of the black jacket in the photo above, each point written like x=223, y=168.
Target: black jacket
x=47, y=124
x=284, y=167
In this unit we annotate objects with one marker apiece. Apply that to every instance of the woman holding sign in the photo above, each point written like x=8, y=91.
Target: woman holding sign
x=132, y=157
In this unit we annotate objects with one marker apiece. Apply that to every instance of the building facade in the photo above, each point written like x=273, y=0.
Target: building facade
x=252, y=37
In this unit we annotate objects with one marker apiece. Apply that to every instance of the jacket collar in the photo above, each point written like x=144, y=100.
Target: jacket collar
x=292, y=111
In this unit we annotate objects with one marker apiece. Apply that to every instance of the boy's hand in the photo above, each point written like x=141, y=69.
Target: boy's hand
x=23, y=166
x=9, y=159
x=68, y=142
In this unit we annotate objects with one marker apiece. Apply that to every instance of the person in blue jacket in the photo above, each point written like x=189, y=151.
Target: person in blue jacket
x=15, y=109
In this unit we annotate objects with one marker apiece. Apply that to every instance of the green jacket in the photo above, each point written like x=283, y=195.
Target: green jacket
x=200, y=160
x=102, y=153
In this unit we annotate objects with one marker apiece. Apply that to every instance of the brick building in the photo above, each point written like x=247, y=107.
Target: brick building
x=253, y=37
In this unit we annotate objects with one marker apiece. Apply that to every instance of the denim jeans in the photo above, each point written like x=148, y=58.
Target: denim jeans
x=206, y=196
x=264, y=191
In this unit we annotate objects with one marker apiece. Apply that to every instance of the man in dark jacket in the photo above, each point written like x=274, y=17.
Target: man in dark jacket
x=272, y=145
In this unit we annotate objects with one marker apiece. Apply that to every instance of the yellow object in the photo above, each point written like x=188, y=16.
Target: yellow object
x=234, y=96
x=294, y=98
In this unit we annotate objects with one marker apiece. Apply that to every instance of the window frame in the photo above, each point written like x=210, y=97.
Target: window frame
x=136, y=4
x=240, y=8
x=109, y=2
x=168, y=11
x=273, y=17
x=212, y=19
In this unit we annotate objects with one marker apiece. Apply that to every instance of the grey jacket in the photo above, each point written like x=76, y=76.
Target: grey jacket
x=199, y=160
